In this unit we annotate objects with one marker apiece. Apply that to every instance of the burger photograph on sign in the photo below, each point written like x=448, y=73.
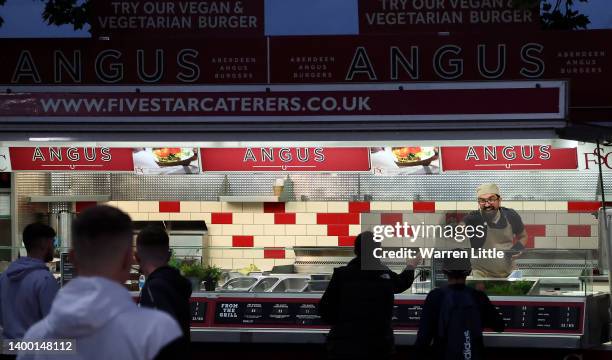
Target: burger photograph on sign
x=166, y=161
x=405, y=160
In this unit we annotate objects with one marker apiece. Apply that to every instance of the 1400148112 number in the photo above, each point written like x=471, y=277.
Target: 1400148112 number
x=39, y=346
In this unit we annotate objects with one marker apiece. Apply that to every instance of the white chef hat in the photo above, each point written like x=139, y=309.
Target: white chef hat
x=487, y=189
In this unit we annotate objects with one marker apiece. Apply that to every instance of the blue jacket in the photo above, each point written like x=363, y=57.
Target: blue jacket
x=27, y=289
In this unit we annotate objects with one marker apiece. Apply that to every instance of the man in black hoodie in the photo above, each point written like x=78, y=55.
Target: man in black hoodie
x=358, y=304
x=165, y=288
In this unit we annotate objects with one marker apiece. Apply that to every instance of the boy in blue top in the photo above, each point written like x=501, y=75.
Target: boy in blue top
x=454, y=316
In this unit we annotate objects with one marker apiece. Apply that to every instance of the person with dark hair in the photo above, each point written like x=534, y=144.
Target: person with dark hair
x=95, y=308
x=358, y=304
x=454, y=317
x=27, y=287
x=165, y=288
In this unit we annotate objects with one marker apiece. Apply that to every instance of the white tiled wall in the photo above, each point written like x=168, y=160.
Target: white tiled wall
x=249, y=219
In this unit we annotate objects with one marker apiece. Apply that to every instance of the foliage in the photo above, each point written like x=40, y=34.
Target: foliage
x=558, y=14
x=78, y=13
x=61, y=12
x=212, y=272
x=193, y=270
x=502, y=287
x=174, y=262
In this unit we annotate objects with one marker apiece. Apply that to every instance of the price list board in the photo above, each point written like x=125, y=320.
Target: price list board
x=544, y=317
x=268, y=313
x=407, y=315
x=519, y=316
x=198, y=311
x=67, y=269
x=526, y=317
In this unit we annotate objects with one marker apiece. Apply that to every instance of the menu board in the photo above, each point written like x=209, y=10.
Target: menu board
x=198, y=311
x=267, y=313
x=549, y=317
x=67, y=269
x=519, y=318
x=439, y=277
x=407, y=315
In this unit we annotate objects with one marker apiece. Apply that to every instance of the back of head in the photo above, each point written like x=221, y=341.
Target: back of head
x=153, y=245
x=365, y=244
x=36, y=235
x=101, y=237
x=364, y=249
x=457, y=267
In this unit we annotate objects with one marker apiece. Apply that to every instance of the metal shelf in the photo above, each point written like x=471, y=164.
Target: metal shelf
x=247, y=199
x=68, y=198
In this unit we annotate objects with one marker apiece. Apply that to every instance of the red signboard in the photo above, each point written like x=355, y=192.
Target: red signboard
x=583, y=57
x=402, y=16
x=521, y=157
x=285, y=159
x=71, y=159
x=518, y=100
x=170, y=61
x=178, y=17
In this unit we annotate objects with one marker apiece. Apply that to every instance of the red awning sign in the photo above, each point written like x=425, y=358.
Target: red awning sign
x=285, y=159
x=71, y=159
x=522, y=157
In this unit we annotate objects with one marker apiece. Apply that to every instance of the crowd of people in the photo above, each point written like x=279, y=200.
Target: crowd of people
x=98, y=312
x=95, y=308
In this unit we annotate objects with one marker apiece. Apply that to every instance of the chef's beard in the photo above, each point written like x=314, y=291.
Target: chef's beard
x=489, y=214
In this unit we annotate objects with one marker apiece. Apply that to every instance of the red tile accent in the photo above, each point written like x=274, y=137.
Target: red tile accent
x=391, y=219
x=272, y=207
x=242, y=241
x=424, y=206
x=359, y=206
x=532, y=232
x=337, y=230
x=338, y=218
x=274, y=253
x=82, y=205
x=583, y=206
x=169, y=206
x=221, y=218
x=579, y=230
x=346, y=241
x=284, y=218
x=536, y=230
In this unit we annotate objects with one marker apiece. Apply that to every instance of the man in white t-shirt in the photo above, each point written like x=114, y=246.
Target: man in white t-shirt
x=95, y=309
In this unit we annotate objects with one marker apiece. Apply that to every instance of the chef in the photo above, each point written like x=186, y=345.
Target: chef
x=503, y=230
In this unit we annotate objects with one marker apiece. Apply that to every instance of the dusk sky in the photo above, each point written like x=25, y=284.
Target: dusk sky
x=283, y=17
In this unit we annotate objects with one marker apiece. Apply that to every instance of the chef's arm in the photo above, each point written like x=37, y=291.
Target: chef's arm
x=522, y=238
